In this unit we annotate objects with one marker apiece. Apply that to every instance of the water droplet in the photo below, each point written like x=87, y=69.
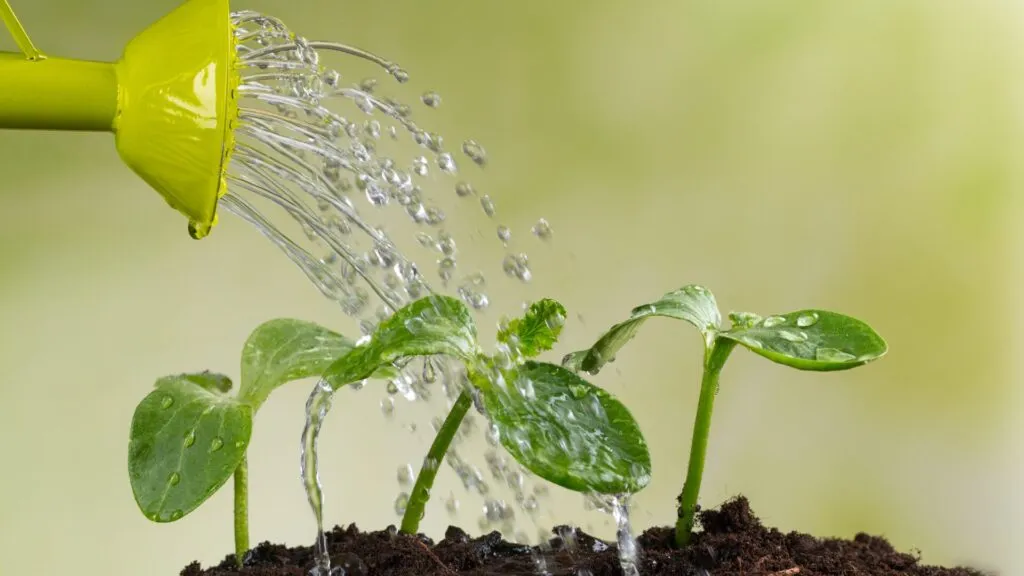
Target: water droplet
x=475, y=151
x=504, y=234
x=452, y=505
x=405, y=475
x=807, y=320
x=190, y=438
x=331, y=78
x=832, y=355
x=431, y=99
x=464, y=189
x=793, y=336
x=400, y=75
x=401, y=503
x=429, y=375
x=387, y=407
x=446, y=268
x=419, y=166
x=542, y=229
x=216, y=444
x=174, y=479
x=446, y=163
x=166, y=402
x=517, y=266
x=487, y=204
x=773, y=321
x=446, y=244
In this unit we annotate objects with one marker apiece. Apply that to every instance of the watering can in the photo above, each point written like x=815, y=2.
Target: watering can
x=170, y=102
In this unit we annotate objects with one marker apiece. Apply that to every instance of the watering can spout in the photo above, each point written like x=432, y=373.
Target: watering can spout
x=170, y=102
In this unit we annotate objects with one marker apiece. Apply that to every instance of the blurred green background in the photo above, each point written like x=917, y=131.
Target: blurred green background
x=858, y=156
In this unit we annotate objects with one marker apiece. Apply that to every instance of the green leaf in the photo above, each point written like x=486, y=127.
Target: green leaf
x=537, y=331
x=694, y=304
x=187, y=437
x=428, y=326
x=568, y=431
x=283, y=350
x=811, y=340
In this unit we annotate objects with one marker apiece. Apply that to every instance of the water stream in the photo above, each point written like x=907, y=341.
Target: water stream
x=312, y=151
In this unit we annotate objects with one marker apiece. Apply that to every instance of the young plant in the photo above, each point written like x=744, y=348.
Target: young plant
x=554, y=423
x=189, y=435
x=815, y=340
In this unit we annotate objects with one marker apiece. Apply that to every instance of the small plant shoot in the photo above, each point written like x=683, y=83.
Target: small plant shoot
x=815, y=340
x=190, y=434
x=601, y=449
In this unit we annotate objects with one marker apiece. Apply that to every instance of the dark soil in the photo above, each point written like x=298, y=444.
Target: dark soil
x=733, y=543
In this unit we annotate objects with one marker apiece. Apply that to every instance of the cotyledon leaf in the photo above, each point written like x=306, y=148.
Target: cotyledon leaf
x=538, y=329
x=815, y=340
x=283, y=350
x=694, y=304
x=428, y=326
x=568, y=431
x=187, y=437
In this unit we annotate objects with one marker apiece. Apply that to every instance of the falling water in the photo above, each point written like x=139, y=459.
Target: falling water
x=318, y=151
x=317, y=406
x=628, y=548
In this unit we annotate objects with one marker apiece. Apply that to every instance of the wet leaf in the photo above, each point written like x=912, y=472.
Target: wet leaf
x=538, y=329
x=568, y=431
x=283, y=350
x=187, y=437
x=811, y=340
x=694, y=304
x=428, y=326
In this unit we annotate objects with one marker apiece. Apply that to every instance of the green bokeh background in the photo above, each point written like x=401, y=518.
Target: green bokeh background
x=857, y=156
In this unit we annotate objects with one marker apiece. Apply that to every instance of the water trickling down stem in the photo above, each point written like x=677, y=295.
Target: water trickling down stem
x=714, y=360
x=425, y=478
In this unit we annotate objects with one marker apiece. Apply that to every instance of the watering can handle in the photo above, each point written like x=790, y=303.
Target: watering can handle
x=18, y=31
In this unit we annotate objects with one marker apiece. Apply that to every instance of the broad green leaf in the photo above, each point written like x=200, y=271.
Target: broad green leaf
x=811, y=340
x=568, y=431
x=428, y=326
x=186, y=440
x=694, y=304
x=283, y=350
x=538, y=329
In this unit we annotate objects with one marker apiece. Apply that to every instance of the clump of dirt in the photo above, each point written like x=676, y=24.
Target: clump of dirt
x=733, y=542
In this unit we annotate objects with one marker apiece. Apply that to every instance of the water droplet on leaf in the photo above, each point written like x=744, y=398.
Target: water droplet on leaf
x=216, y=444
x=190, y=438
x=773, y=321
x=807, y=320
x=166, y=402
x=832, y=355
x=174, y=479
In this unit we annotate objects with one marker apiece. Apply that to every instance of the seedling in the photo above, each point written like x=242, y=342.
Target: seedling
x=189, y=435
x=815, y=340
x=554, y=423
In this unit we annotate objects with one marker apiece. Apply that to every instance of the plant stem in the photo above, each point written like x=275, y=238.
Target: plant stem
x=714, y=359
x=425, y=478
x=241, y=510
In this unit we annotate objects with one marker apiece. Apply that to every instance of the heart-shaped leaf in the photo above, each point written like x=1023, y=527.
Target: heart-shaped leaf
x=694, y=304
x=428, y=326
x=187, y=437
x=568, y=431
x=815, y=340
x=538, y=329
x=283, y=350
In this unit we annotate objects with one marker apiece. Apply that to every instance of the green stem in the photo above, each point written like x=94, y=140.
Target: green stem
x=18, y=31
x=425, y=479
x=241, y=510
x=714, y=360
